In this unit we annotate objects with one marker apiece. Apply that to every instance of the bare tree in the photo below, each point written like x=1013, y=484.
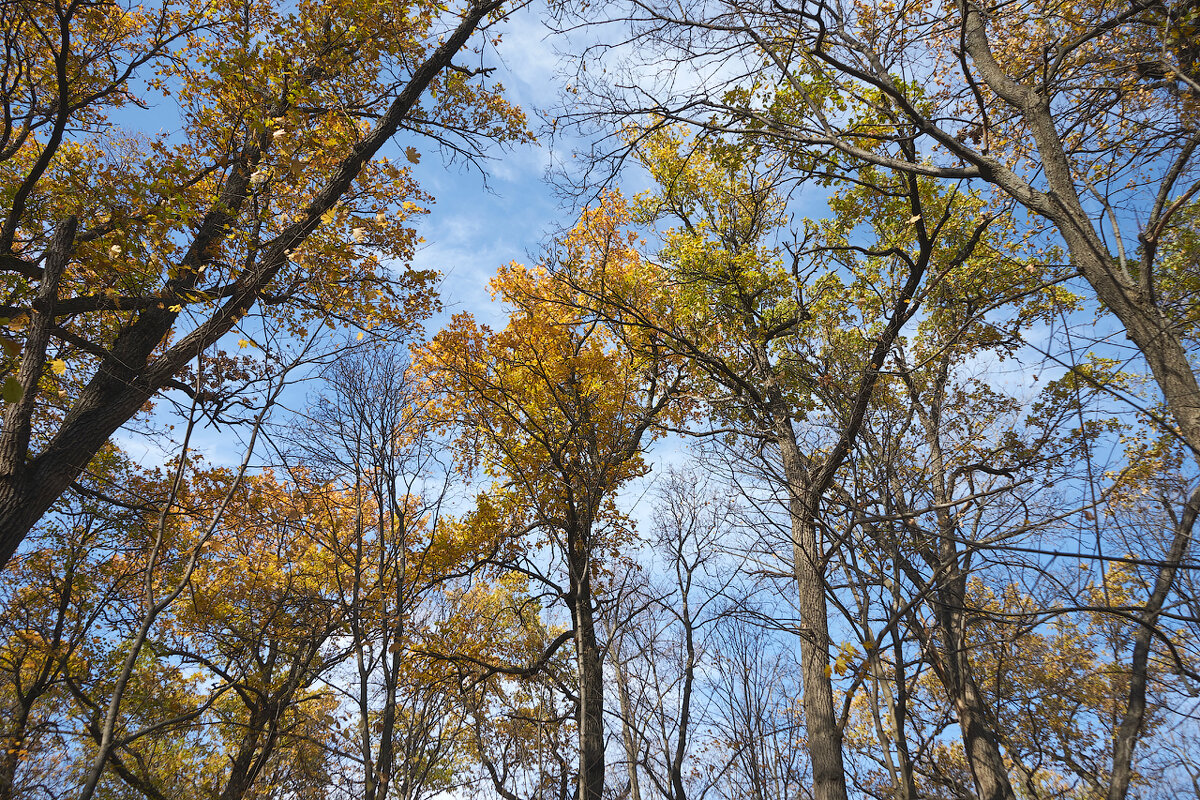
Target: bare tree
x=368, y=434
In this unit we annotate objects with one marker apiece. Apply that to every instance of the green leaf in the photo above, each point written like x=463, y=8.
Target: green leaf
x=12, y=390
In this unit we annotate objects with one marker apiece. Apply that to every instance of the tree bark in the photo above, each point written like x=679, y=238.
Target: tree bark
x=824, y=735
x=627, y=734
x=1129, y=299
x=590, y=712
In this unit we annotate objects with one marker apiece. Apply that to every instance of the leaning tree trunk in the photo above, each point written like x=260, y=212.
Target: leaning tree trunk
x=135, y=368
x=1130, y=298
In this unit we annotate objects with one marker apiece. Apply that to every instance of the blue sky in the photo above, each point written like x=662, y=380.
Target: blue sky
x=476, y=226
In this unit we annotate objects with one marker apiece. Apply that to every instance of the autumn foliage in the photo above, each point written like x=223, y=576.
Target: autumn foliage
x=853, y=454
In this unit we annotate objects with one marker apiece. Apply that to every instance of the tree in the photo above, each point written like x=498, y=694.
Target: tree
x=56, y=599
x=789, y=355
x=556, y=408
x=263, y=620
x=1081, y=121
x=683, y=730
x=239, y=636
x=523, y=737
x=1075, y=116
x=962, y=494
x=127, y=256
x=369, y=433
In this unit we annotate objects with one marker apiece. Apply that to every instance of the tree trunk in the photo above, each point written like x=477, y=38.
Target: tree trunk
x=958, y=677
x=590, y=713
x=250, y=756
x=134, y=371
x=1130, y=299
x=820, y=719
x=631, y=750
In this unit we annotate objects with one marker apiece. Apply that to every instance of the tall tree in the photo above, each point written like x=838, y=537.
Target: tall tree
x=1075, y=115
x=1081, y=122
x=559, y=411
x=124, y=256
x=790, y=354
x=369, y=433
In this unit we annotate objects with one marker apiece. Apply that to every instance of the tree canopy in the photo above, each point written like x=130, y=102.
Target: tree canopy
x=842, y=440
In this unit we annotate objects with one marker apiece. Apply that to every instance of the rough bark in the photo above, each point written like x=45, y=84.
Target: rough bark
x=590, y=712
x=824, y=734
x=951, y=658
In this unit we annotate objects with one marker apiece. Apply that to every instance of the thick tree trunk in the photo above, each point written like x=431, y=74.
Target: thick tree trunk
x=958, y=677
x=590, y=713
x=820, y=719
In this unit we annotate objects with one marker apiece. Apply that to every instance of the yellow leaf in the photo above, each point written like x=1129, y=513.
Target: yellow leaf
x=58, y=366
